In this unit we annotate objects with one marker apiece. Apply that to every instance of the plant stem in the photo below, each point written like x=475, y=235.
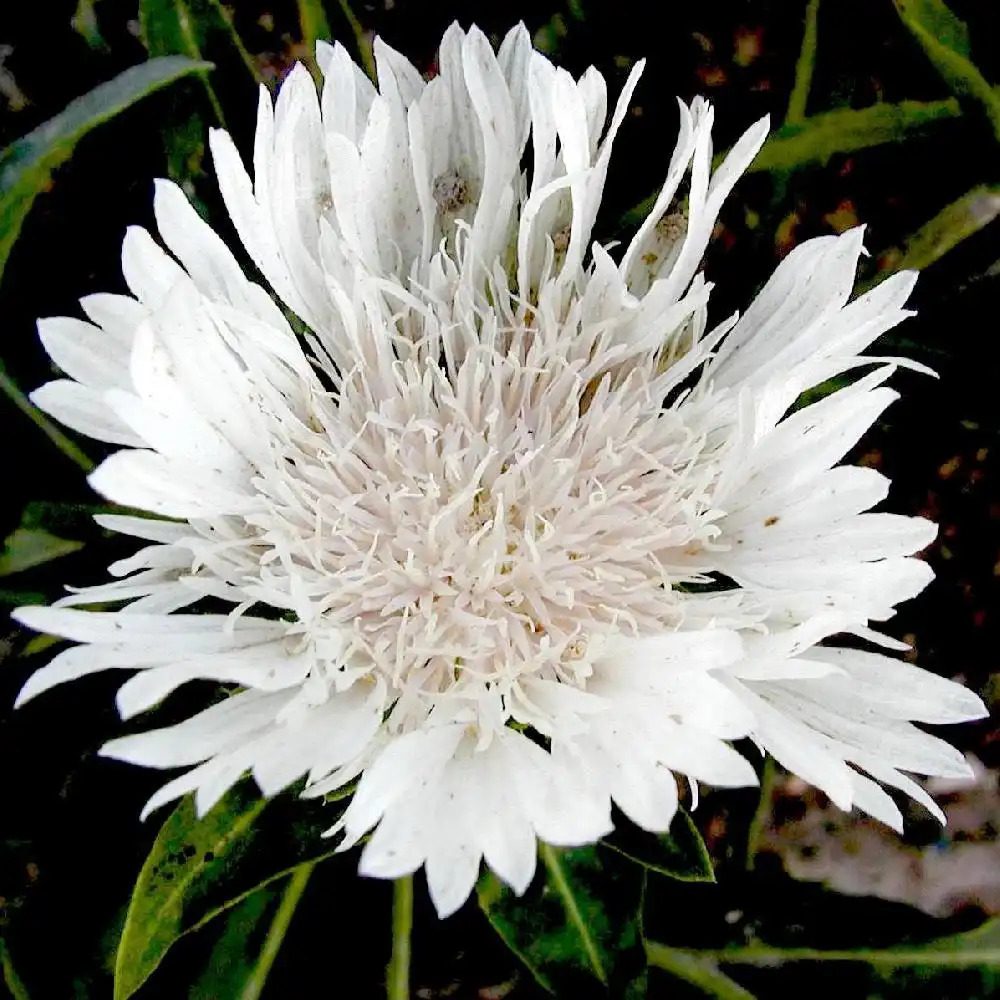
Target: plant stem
x=276, y=932
x=398, y=974
x=692, y=967
x=762, y=813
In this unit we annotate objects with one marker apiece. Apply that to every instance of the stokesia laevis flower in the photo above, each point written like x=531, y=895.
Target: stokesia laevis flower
x=505, y=527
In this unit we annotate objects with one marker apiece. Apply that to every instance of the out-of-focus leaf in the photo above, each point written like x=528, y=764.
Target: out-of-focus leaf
x=962, y=77
x=19, y=598
x=956, y=222
x=679, y=854
x=191, y=28
x=973, y=948
x=28, y=547
x=804, y=66
x=847, y=130
x=580, y=921
x=199, y=868
x=362, y=39
x=13, y=391
x=233, y=956
x=26, y=165
x=940, y=21
x=197, y=29
x=313, y=26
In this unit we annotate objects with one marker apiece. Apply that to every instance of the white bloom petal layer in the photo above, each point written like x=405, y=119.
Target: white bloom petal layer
x=503, y=527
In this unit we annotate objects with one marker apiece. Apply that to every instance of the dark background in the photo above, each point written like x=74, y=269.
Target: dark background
x=70, y=839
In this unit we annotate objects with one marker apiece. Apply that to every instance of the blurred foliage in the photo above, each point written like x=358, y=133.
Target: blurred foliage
x=883, y=111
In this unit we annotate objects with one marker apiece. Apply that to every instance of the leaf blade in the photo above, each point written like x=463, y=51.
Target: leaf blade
x=26, y=548
x=201, y=867
x=680, y=854
x=579, y=924
x=26, y=165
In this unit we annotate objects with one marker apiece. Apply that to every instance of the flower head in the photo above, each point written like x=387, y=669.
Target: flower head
x=495, y=521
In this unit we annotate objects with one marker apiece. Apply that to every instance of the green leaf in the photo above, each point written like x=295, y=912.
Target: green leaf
x=191, y=28
x=313, y=26
x=845, y=130
x=10, y=388
x=962, y=77
x=248, y=945
x=935, y=17
x=15, y=987
x=26, y=165
x=197, y=29
x=848, y=130
x=28, y=547
x=804, y=66
x=956, y=222
x=578, y=922
x=198, y=868
x=680, y=854
x=973, y=948
x=234, y=953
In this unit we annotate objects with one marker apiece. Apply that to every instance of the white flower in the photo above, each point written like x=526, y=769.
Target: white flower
x=507, y=531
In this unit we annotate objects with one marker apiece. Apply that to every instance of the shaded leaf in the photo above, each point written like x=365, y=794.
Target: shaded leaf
x=962, y=77
x=26, y=165
x=28, y=547
x=198, y=868
x=234, y=953
x=578, y=923
x=252, y=935
x=679, y=854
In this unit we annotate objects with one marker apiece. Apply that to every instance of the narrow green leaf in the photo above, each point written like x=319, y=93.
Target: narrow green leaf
x=804, y=67
x=28, y=547
x=940, y=21
x=26, y=165
x=962, y=77
x=578, y=922
x=13, y=391
x=15, y=987
x=313, y=26
x=198, y=868
x=847, y=130
x=680, y=854
x=696, y=970
x=362, y=39
x=233, y=958
x=973, y=948
x=956, y=222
